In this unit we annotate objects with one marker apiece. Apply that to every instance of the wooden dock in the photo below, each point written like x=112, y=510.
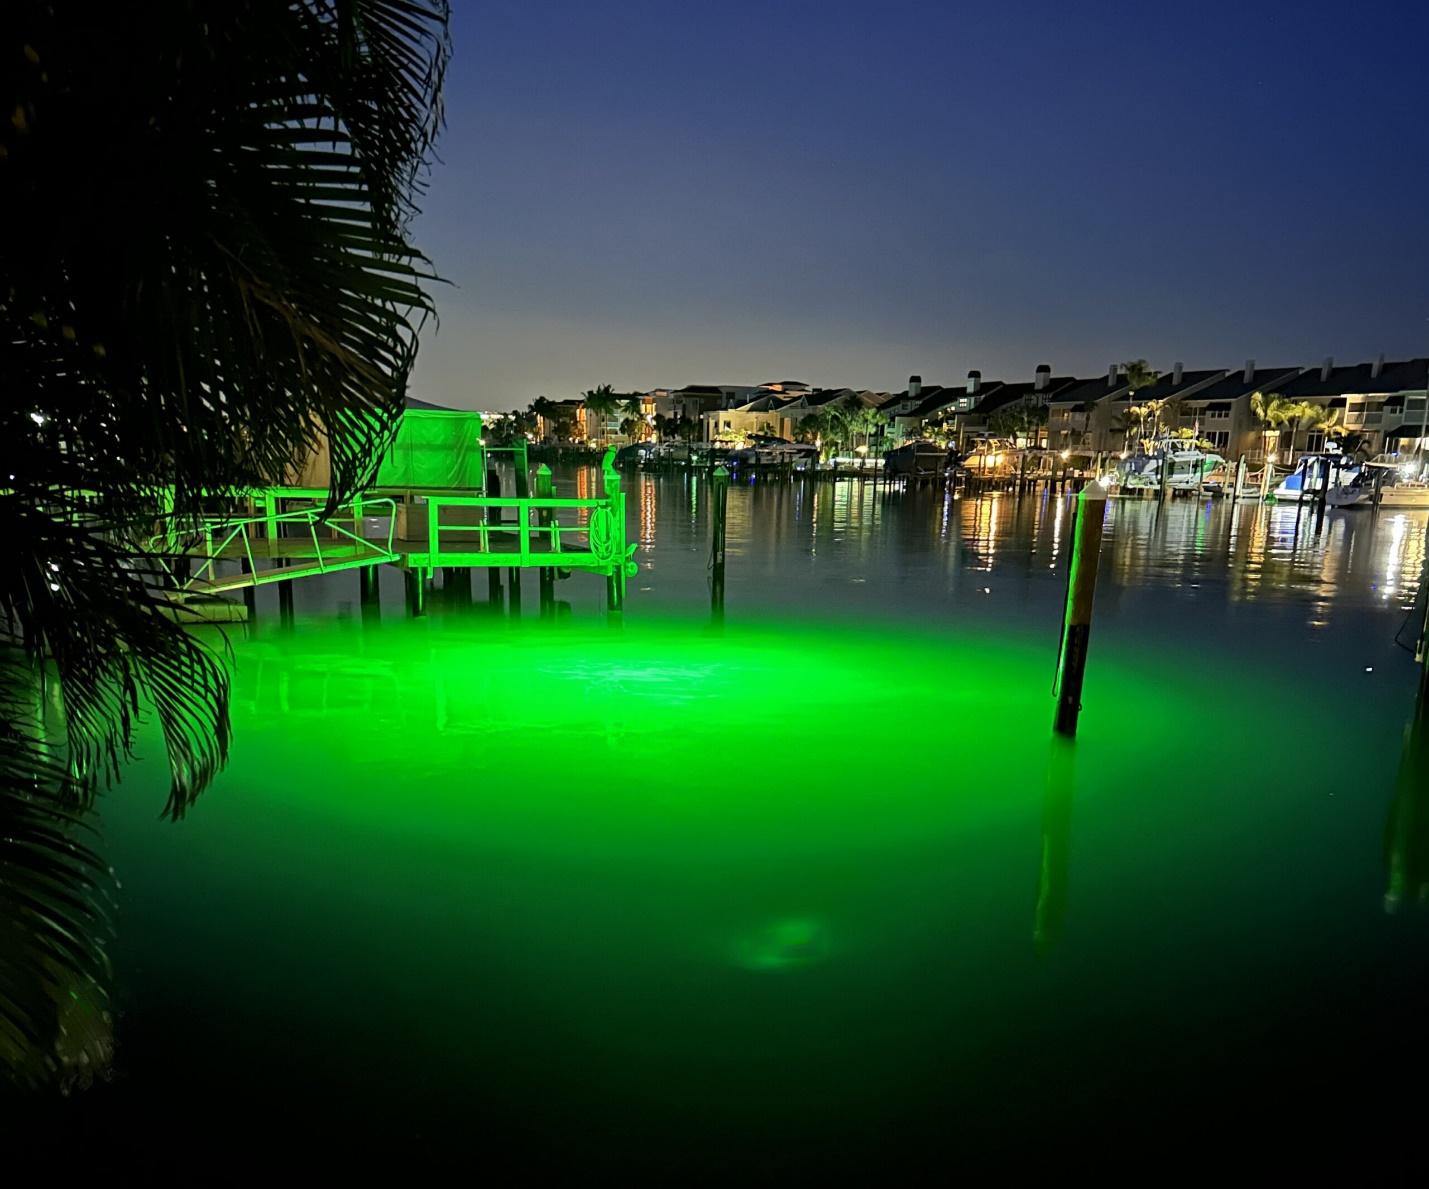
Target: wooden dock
x=279, y=535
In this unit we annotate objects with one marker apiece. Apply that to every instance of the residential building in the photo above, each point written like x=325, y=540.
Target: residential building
x=1001, y=399
x=1220, y=412
x=1079, y=416
x=1116, y=428
x=1383, y=402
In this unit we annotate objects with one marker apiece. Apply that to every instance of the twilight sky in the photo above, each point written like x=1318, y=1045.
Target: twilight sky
x=652, y=194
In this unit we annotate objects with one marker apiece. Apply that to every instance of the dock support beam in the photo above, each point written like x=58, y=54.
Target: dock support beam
x=285, y=602
x=416, y=583
x=250, y=592
x=1077, y=623
x=720, y=506
x=1239, y=481
x=493, y=589
x=513, y=580
x=546, y=517
x=369, y=593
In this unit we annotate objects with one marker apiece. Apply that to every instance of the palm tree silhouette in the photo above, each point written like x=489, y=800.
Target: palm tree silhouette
x=215, y=275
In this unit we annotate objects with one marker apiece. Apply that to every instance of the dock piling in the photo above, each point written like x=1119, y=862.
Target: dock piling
x=285, y=602
x=416, y=584
x=250, y=592
x=1077, y=622
x=546, y=517
x=720, y=505
x=369, y=593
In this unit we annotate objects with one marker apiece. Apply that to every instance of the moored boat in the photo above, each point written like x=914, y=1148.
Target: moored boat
x=1389, y=481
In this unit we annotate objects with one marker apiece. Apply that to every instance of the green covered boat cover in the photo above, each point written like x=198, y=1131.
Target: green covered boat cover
x=435, y=449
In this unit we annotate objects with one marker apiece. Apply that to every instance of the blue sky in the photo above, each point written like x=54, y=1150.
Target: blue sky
x=657, y=194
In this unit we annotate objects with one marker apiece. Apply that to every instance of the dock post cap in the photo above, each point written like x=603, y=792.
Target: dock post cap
x=721, y=473
x=1095, y=490
x=543, y=469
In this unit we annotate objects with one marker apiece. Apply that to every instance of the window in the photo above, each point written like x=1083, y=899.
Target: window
x=1219, y=438
x=1314, y=442
x=1215, y=414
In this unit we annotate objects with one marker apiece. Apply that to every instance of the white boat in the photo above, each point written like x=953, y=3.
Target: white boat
x=1305, y=480
x=1190, y=465
x=1389, y=481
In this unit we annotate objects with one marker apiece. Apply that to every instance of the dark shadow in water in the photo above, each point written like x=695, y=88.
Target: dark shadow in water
x=1406, y=834
x=1053, y=873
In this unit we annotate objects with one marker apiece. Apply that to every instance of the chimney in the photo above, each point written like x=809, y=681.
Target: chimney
x=1176, y=370
x=1378, y=366
x=1111, y=376
x=1326, y=368
x=915, y=385
x=974, y=380
x=1044, y=376
x=1249, y=373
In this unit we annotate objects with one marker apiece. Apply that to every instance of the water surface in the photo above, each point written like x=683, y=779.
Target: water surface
x=800, y=895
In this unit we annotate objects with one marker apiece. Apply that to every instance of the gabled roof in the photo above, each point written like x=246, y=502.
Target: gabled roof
x=1234, y=385
x=1166, y=387
x=1007, y=394
x=826, y=396
x=894, y=399
x=1409, y=375
x=1082, y=391
x=699, y=390
x=941, y=399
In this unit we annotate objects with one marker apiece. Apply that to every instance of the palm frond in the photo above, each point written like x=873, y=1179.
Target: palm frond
x=54, y=921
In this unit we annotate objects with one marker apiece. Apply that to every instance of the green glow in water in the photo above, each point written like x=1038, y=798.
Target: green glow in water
x=689, y=879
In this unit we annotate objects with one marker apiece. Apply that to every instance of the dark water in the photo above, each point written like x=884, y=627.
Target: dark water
x=804, y=898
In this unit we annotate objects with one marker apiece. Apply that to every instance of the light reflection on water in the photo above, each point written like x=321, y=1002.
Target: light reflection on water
x=920, y=551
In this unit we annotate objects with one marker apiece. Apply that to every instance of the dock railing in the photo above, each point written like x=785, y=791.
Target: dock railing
x=198, y=547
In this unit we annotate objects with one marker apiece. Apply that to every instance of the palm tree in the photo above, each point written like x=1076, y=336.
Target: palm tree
x=634, y=426
x=1271, y=411
x=1130, y=422
x=1139, y=374
x=600, y=402
x=1303, y=415
x=661, y=425
x=160, y=355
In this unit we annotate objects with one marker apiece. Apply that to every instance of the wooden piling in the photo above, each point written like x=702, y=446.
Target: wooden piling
x=285, y=602
x=720, y=505
x=369, y=592
x=1239, y=481
x=416, y=589
x=1077, y=621
x=546, y=518
x=250, y=592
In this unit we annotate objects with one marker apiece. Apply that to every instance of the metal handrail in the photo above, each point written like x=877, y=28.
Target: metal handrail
x=310, y=516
